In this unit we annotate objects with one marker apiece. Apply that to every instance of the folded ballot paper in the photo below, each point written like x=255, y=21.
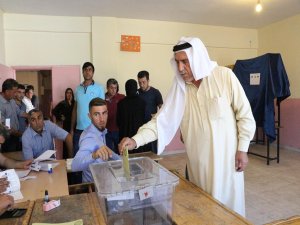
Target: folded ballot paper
x=40, y=164
x=14, y=186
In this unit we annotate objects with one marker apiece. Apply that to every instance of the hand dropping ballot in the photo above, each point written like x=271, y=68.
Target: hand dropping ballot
x=126, y=164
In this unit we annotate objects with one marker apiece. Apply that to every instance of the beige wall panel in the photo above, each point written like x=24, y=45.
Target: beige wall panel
x=225, y=45
x=283, y=37
x=46, y=48
x=2, y=43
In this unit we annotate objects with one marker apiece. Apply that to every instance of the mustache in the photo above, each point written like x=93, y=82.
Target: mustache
x=182, y=72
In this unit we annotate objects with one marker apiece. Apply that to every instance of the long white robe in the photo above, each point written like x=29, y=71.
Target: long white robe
x=217, y=122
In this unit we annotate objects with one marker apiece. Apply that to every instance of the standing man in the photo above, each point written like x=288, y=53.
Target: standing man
x=9, y=114
x=92, y=144
x=152, y=98
x=22, y=120
x=84, y=93
x=112, y=97
x=209, y=105
x=27, y=98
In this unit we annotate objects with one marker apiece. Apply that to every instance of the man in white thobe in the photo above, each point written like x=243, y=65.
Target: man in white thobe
x=209, y=105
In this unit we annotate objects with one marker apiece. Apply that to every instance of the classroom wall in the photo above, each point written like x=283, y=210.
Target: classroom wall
x=283, y=37
x=52, y=40
x=2, y=49
x=32, y=40
x=224, y=44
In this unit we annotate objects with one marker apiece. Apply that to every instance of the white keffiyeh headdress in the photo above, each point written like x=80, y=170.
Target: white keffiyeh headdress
x=170, y=115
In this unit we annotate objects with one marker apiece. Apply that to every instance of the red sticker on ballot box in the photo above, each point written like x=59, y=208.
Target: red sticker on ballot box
x=146, y=193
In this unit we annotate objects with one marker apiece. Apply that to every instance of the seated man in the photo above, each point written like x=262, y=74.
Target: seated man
x=92, y=146
x=38, y=137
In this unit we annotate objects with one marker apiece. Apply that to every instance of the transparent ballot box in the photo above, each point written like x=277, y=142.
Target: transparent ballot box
x=144, y=197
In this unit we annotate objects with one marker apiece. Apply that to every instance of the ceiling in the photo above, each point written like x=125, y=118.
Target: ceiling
x=233, y=13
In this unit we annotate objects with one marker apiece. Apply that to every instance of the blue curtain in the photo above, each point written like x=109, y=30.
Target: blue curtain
x=274, y=83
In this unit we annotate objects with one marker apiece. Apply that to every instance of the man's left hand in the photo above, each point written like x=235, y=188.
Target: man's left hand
x=23, y=164
x=241, y=161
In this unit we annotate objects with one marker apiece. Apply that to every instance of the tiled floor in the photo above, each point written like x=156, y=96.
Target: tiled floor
x=272, y=192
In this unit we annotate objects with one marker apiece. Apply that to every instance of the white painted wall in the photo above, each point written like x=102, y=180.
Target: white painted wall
x=2, y=44
x=46, y=40
x=32, y=40
x=283, y=37
x=224, y=44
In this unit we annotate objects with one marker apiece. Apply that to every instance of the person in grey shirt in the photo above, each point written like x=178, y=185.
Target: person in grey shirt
x=10, y=112
x=38, y=137
x=18, y=99
x=22, y=120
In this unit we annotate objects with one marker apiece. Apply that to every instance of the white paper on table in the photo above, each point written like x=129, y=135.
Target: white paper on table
x=44, y=165
x=14, y=186
x=45, y=156
x=27, y=178
x=22, y=173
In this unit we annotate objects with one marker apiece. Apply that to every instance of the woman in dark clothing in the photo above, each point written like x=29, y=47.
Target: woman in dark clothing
x=63, y=113
x=131, y=113
x=63, y=110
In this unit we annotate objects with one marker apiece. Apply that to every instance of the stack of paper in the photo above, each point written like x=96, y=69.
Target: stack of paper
x=14, y=186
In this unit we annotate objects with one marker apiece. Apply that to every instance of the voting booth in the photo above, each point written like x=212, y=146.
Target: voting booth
x=265, y=82
x=145, y=197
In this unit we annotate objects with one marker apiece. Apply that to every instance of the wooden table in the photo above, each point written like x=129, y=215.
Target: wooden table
x=23, y=220
x=56, y=183
x=73, y=207
x=191, y=205
x=295, y=220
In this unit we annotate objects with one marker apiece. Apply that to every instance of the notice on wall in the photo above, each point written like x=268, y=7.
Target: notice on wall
x=254, y=78
x=130, y=43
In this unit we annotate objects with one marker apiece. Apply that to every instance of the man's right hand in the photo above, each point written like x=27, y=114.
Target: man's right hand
x=103, y=152
x=126, y=142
